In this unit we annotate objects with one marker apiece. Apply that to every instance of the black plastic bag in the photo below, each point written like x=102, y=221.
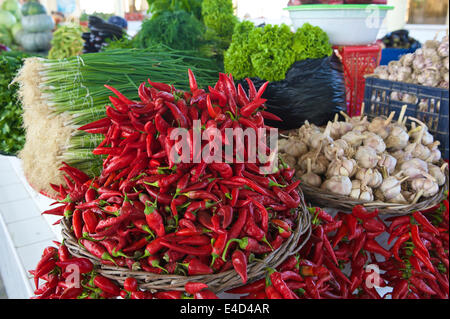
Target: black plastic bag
x=313, y=90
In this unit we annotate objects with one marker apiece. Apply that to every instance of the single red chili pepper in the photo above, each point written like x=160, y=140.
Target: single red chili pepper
x=194, y=287
x=423, y=258
x=272, y=293
x=130, y=284
x=270, y=116
x=417, y=241
x=97, y=250
x=106, y=285
x=423, y=221
x=192, y=81
x=400, y=241
x=196, y=267
x=83, y=265
x=280, y=285
x=77, y=223
x=361, y=212
x=239, y=261
x=154, y=219
x=421, y=285
x=249, y=288
x=205, y=294
x=372, y=246
x=248, y=244
x=195, y=251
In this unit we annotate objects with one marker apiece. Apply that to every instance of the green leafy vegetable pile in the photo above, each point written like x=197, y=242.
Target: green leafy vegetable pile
x=12, y=134
x=268, y=52
x=178, y=30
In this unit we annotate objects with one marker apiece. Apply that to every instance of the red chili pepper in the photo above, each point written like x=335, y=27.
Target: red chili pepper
x=400, y=241
x=372, y=246
x=280, y=285
x=192, y=81
x=130, y=284
x=194, y=287
x=417, y=241
x=419, y=254
x=83, y=265
x=272, y=293
x=154, y=219
x=205, y=294
x=423, y=221
x=195, y=251
x=239, y=261
x=97, y=250
x=106, y=285
x=421, y=285
x=361, y=212
x=196, y=267
x=249, y=288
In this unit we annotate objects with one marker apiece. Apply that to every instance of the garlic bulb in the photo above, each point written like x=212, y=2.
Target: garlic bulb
x=414, y=168
x=390, y=188
x=387, y=161
x=341, y=167
x=399, y=199
x=334, y=149
x=425, y=186
x=316, y=139
x=319, y=163
x=401, y=156
x=282, y=145
x=374, y=141
x=438, y=173
x=417, y=149
x=366, y=157
x=435, y=153
x=427, y=138
x=361, y=191
x=305, y=131
x=353, y=138
x=339, y=185
x=380, y=126
x=398, y=137
x=310, y=178
x=370, y=177
x=295, y=147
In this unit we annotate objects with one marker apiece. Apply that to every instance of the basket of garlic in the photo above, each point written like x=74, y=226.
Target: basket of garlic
x=419, y=80
x=392, y=165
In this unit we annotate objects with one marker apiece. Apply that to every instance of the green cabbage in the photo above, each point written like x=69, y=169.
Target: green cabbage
x=7, y=19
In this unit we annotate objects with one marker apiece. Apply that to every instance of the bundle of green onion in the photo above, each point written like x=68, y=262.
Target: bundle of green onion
x=59, y=96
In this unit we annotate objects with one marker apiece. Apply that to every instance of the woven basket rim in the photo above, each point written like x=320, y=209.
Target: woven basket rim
x=217, y=282
x=320, y=196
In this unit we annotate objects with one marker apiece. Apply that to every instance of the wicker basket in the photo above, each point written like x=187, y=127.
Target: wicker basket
x=318, y=196
x=216, y=282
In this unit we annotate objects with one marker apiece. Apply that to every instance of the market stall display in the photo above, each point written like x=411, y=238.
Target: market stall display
x=128, y=139
x=378, y=163
x=61, y=95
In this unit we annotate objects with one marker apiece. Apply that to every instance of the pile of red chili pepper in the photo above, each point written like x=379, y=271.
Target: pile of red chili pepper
x=69, y=277
x=146, y=211
x=334, y=264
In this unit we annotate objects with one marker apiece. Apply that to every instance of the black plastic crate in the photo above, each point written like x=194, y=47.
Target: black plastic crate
x=428, y=104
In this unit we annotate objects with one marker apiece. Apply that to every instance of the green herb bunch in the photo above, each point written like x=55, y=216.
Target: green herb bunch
x=12, y=134
x=157, y=7
x=268, y=52
x=178, y=30
x=219, y=19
